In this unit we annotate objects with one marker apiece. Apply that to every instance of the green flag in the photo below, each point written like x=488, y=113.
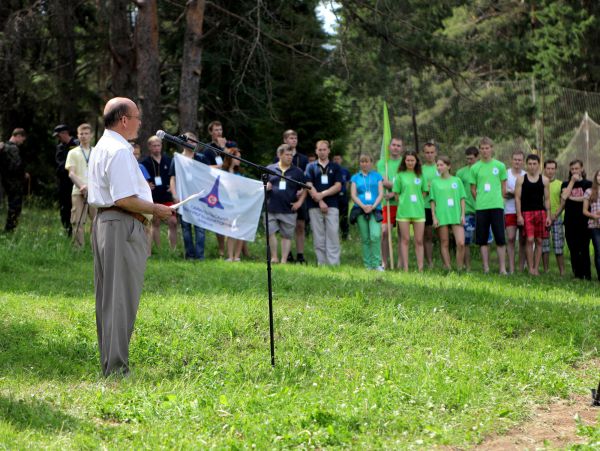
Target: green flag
x=387, y=135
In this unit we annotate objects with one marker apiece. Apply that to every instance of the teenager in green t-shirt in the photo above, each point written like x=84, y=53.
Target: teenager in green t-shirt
x=488, y=185
x=447, y=196
x=464, y=174
x=411, y=190
x=556, y=229
x=390, y=205
x=430, y=173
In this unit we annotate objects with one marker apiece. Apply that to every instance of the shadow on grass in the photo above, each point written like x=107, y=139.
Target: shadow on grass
x=27, y=349
x=36, y=414
x=514, y=306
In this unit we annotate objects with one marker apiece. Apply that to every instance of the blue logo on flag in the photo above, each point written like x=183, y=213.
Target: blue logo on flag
x=212, y=200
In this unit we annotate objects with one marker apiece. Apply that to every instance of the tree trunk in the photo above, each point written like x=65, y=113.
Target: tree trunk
x=191, y=67
x=62, y=26
x=148, y=65
x=120, y=41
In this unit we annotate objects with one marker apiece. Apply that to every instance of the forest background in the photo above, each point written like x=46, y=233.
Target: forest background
x=522, y=72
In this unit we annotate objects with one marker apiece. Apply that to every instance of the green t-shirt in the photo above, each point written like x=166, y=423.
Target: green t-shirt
x=430, y=173
x=488, y=177
x=555, y=186
x=447, y=193
x=464, y=174
x=392, y=172
x=411, y=202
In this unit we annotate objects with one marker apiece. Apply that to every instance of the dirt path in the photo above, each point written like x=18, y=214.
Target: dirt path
x=551, y=426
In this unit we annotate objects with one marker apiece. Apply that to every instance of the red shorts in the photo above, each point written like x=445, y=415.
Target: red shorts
x=535, y=224
x=510, y=220
x=393, y=211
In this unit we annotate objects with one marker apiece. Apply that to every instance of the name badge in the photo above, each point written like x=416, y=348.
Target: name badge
x=368, y=195
x=487, y=187
x=451, y=202
x=219, y=160
x=282, y=185
x=413, y=197
x=324, y=179
x=158, y=180
x=188, y=176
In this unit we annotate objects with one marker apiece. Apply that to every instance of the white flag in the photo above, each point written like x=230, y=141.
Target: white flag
x=229, y=204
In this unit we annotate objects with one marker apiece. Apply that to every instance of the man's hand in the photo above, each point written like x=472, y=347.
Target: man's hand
x=161, y=211
x=367, y=209
x=323, y=206
x=548, y=221
x=296, y=206
x=463, y=221
x=436, y=223
x=390, y=195
x=152, y=185
x=83, y=190
x=576, y=177
x=221, y=142
x=269, y=186
x=520, y=220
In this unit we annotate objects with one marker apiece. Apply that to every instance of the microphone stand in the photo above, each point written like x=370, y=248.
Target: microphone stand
x=265, y=173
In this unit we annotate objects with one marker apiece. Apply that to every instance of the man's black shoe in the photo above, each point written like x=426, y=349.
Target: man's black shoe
x=290, y=258
x=300, y=259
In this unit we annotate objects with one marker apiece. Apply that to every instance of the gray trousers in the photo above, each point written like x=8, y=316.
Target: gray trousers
x=120, y=253
x=326, y=239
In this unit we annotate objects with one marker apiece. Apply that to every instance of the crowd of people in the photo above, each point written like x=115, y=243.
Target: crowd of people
x=523, y=209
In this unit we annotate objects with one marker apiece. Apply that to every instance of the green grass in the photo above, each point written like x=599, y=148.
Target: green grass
x=364, y=359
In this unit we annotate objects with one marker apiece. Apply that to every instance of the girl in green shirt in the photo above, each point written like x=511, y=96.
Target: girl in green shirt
x=448, y=210
x=411, y=189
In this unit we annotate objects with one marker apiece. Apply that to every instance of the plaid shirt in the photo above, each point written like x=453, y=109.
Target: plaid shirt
x=594, y=209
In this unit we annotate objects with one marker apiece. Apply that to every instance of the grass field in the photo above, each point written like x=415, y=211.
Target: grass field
x=364, y=359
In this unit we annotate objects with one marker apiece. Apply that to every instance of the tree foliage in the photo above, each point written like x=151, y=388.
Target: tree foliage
x=263, y=69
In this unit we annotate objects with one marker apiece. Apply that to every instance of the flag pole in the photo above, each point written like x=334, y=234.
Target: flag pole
x=384, y=154
x=388, y=222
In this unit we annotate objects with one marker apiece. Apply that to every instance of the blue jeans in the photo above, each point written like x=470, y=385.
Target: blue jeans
x=596, y=242
x=193, y=250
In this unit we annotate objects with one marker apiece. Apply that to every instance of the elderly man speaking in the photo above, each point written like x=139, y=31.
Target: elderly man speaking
x=116, y=187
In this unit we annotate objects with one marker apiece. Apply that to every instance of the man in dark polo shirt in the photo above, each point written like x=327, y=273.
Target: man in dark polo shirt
x=290, y=137
x=325, y=179
x=65, y=186
x=343, y=197
x=215, y=129
x=157, y=164
x=284, y=202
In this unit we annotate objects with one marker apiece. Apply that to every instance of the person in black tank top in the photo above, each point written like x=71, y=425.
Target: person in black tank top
x=532, y=196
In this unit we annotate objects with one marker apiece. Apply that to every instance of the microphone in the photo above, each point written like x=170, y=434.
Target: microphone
x=174, y=139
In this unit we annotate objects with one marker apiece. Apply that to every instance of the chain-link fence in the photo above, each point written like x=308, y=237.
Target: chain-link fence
x=521, y=115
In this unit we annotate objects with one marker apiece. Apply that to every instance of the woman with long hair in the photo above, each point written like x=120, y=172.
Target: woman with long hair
x=591, y=209
x=232, y=165
x=411, y=190
x=448, y=211
x=577, y=233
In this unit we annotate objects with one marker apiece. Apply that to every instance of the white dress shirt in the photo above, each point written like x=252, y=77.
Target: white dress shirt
x=114, y=173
